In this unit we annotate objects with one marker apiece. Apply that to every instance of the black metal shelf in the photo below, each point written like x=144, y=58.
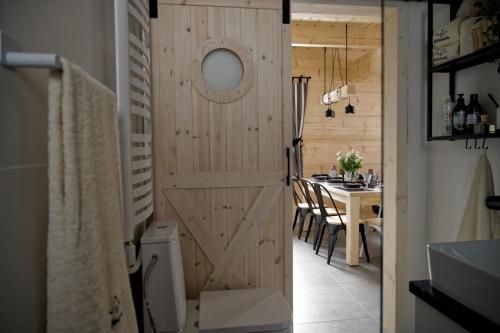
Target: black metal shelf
x=479, y=57
x=465, y=137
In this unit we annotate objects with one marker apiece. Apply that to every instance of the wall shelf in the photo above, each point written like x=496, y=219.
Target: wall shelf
x=465, y=137
x=479, y=57
x=470, y=60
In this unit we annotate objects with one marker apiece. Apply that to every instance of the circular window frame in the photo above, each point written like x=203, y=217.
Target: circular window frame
x=222, y=96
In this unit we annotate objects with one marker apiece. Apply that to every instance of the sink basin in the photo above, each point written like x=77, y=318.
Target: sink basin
x=468, y=272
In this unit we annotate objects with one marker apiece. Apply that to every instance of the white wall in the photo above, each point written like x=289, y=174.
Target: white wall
x=449, y=164
x=83, y=32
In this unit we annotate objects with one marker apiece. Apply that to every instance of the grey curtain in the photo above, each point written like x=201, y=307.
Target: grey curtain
x=299, y=96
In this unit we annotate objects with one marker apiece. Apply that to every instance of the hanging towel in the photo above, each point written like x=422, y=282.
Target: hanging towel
x=478, y=222
x=447, y=34
x=88, y=288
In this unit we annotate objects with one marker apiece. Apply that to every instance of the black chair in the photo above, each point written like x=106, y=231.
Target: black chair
x=334, y=223
x=302, y=209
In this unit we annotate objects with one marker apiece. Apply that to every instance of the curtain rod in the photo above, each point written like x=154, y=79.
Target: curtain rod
x=10, y=57
x=302, y=77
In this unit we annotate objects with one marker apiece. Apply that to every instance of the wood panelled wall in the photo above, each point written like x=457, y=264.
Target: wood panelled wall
x=362, y=131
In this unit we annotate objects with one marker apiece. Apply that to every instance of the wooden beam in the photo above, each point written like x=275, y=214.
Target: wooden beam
x=332, y=34
x=346, y=11
x=264, y=4
x=224, y=179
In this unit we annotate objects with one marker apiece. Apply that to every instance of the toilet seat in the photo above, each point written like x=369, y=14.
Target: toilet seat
x=244, y=311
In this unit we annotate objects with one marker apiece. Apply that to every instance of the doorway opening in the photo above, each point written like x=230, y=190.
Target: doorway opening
x=340, y=291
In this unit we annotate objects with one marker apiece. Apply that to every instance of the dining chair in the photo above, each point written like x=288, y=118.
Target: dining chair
x=311, y=205
x=315, y=212
x=300, y=202
x=334, y=223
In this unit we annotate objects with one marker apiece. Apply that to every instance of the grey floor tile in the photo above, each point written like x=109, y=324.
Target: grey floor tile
x=363, y=291
x=317, y=303
x=336, y=297
x=363, y=325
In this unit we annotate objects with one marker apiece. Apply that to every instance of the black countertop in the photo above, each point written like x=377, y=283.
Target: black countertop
x=460, y=314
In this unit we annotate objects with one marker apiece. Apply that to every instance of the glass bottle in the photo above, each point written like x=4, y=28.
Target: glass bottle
x=474, y=111
x=447, y=116
x=459, y=116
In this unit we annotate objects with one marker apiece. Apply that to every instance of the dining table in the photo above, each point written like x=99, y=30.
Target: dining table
x=353, y=200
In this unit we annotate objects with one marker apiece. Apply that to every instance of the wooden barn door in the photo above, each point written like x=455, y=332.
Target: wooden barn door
x=221, y=166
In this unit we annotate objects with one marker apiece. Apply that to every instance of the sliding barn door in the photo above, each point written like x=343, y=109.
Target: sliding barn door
x=222, y=126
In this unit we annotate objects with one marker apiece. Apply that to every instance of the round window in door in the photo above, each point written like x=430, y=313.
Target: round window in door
x=222, y=70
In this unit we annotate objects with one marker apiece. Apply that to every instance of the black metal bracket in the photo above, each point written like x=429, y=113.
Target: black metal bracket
x=286, y=11
x=467, y=142
x=288, y=166
x=153, y=8
x=476, y=146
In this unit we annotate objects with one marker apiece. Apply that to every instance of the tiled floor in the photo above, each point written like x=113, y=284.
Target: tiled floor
x=336, y=297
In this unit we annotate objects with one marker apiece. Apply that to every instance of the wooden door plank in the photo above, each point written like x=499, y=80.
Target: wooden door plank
x=203, y=265
x=232, y=29
x=251, y=257
x=287, y=139
x=234, y=152
x=266, y=87
x=250, y=141
x=201, y=116
x=250, y=111
x=249, y=229
x=166, y=112
x=183, y=96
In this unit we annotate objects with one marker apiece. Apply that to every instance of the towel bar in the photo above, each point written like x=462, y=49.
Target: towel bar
x=11, y=57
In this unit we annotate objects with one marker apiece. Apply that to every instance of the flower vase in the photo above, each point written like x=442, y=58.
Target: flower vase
x=351, y=176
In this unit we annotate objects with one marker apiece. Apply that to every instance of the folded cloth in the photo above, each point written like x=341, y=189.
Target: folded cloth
x=479, y=222
x=88, y=287
x=447, y=34
x=472, y=35
x=446, y=53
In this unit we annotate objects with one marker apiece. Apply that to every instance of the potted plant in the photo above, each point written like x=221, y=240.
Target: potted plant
x=490, y=9
x=350, y=163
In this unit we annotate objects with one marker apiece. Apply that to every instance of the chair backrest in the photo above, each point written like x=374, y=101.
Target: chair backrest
x=307, y=186
x=320, y=190
x=298, y=192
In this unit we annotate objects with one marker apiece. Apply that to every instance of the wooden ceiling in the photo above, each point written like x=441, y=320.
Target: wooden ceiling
x=365, y=11
x=362, y=36
x=364, y=45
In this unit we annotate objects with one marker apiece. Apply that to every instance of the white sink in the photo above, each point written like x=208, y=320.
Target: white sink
x=468, y=272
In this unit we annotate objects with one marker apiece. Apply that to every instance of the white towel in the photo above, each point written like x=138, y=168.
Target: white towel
x=446, y=53
x=447, y=34
x=478, y=222
x=88, y=289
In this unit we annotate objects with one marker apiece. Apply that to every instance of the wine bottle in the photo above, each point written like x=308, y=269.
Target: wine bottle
x=474, y=111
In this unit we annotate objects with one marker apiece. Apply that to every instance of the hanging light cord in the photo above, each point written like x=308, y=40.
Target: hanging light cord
x=324, y=71
x=340, y=69
x=346, y=53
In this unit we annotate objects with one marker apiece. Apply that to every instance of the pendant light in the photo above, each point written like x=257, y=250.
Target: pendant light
x=349, y=108
x=329, y=113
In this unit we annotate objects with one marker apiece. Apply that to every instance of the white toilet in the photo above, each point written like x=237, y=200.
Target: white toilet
x=229, y=311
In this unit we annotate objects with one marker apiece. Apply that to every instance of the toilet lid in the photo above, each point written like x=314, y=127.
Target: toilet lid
x=243, y=311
